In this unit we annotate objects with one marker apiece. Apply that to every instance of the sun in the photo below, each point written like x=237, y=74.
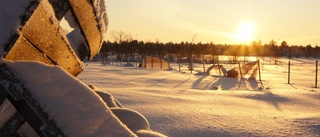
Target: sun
x=245, y=32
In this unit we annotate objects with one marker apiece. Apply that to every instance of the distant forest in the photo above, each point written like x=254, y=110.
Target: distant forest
x=124, y=48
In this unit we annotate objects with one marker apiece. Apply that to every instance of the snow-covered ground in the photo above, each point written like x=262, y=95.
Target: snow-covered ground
x=181, y=104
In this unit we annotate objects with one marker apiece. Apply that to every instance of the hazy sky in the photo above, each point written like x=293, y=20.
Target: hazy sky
x=217, y=21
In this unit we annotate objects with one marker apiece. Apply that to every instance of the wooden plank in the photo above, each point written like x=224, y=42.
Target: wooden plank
x=12, y=125
x=86, y=18
x=24, y=50
x=45, y=33
x=20, y=97
x=3, y=95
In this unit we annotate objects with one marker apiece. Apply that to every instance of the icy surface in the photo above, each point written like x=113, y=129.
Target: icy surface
x=76, y=109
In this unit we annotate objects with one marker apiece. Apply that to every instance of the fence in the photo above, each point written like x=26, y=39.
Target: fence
x=295, y=71
x=301, y=73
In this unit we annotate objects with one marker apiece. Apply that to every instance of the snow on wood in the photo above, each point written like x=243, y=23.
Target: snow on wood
x=101, y=15
x=32, y=25
x=76, y=109
x=87, y=18
x=11, y=12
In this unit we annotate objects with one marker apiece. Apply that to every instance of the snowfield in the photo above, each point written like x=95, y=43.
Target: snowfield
x=181, y=104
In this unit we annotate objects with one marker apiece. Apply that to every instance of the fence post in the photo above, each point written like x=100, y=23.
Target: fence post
x=240, y=68
x=219, y=65
x=316, y=82
x=179, y=60
x=259, y=70
x=289, y=72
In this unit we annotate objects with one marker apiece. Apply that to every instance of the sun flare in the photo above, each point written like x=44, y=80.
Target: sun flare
x=245, y=32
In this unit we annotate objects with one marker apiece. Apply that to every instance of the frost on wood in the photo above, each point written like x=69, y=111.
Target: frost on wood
x=88, y=19
x=46, y=92
x=39, y=37
x=101, y=15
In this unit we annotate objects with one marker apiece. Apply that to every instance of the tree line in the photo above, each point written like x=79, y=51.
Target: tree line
x=126, y=48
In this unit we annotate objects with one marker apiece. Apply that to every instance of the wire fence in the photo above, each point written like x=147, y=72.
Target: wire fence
x=301, y=73
x=297, y=71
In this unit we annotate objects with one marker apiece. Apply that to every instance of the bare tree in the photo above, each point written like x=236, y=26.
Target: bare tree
x=117, y=36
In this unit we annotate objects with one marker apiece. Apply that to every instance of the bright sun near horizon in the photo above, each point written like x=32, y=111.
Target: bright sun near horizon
x=245, y=32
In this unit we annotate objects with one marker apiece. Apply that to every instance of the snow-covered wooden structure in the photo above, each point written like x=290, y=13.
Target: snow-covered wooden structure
x=35, y=35
x=38, y=66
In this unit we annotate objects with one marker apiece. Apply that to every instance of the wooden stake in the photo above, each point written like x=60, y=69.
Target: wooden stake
x=316, y=82
x=240, y=69
x=259, y=70
x=204, y=67
x=289, y=72
x=179, y=59
x=219, y=66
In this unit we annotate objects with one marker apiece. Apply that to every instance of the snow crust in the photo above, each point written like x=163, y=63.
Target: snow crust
x=76, y=109
x=181, y=104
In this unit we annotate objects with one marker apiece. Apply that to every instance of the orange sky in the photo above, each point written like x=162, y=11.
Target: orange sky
x=217, y=21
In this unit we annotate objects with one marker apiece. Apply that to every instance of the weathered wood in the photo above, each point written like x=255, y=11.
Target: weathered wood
x=3, y=94
x=316, y=81
x=42, y=39
x=12, y=125
x=86, y=17
x=21, y=98
x=289, y=68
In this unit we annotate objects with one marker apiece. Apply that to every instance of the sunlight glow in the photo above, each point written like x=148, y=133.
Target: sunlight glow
x=245, y=32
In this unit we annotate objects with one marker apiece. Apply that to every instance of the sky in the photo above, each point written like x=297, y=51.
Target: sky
x=228, y=21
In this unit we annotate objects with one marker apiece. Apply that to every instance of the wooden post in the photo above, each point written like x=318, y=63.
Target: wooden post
x=191, y=64
x=240, y=68
x=204, y=67
x=259, y=70
x=316, y=82
x=289, y=72
x=219, y=66
x=179, y=60
x=145, y=61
